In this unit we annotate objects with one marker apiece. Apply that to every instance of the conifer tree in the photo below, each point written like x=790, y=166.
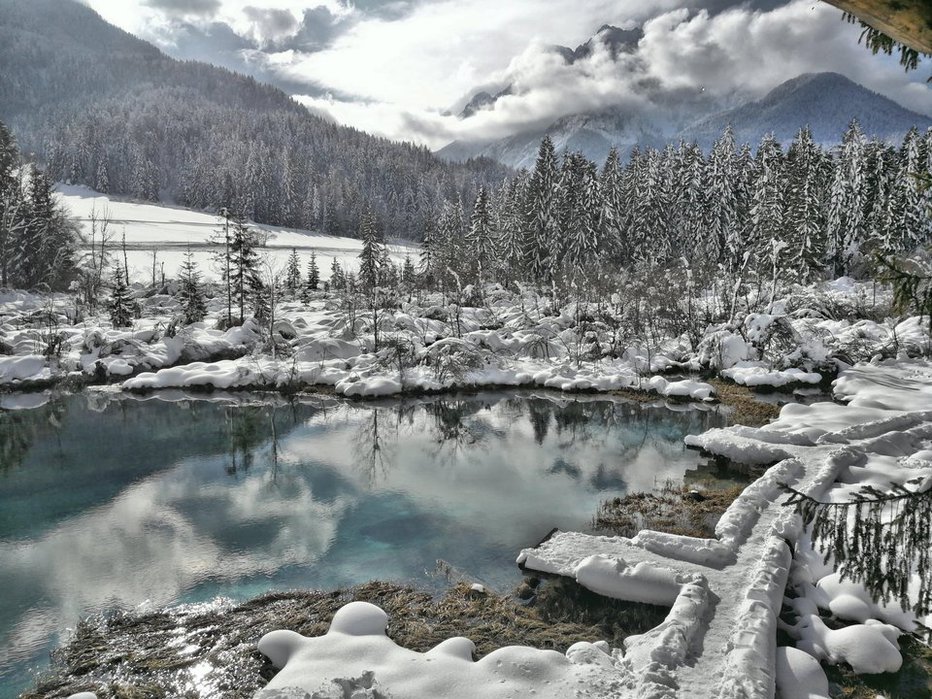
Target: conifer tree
x=191, y=294
x=244, y=265
x=450, y=239
x=293, y=273
x=847, y=200
x=313, y=274
x=720, y=209
x=511, y=234
x=480, y=239
x=372, y=256
x=611, y=214
x=807, y=173
x=337, y=276
x=428, y=260
x=121, y=302
x=408, y=272
x=541, y=213
x=766, y=213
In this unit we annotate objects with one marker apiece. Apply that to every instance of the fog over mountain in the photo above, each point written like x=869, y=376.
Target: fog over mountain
x=825, y=102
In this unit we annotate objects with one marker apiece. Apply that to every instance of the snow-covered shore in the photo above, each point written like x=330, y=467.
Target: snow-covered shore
x=425, y=345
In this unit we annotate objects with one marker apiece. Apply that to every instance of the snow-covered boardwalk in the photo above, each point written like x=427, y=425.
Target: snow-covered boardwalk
x=719, y=637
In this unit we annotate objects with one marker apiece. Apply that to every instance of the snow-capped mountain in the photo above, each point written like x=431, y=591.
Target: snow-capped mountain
x=616, y=41
x=826, y=102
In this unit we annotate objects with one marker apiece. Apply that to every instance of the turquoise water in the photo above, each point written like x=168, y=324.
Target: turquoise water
x=109, y=502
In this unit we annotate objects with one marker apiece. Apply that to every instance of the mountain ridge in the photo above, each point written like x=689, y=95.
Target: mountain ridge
x=825, y=102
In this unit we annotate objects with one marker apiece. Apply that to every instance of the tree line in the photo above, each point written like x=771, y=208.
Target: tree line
x=795, y=214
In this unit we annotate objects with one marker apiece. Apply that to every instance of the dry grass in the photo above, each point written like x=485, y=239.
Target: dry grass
x=748, y=410
x=675, y=510
x=150, y=656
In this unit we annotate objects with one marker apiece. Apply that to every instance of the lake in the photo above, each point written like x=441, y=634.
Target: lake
x=111, y=502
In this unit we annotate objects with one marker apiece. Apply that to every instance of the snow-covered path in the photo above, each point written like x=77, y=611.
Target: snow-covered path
x=719, y=638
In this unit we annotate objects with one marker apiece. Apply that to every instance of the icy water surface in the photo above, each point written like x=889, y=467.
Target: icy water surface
x=109, y=502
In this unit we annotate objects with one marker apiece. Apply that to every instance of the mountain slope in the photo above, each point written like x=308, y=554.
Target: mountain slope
x=825, y=102
x=110, y=111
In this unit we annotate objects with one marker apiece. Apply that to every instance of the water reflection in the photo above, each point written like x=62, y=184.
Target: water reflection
x=112, y=502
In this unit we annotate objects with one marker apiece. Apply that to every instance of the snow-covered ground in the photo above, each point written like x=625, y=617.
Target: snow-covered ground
x=170, y=231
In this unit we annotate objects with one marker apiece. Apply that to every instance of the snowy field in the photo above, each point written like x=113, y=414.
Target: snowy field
x=170, y=232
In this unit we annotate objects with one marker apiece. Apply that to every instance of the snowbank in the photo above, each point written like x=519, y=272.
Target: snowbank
x=356, y=658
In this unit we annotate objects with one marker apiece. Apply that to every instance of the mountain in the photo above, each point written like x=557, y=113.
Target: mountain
x=591, y=134
x=105, y=109
x=616, y=41
x=825, y=102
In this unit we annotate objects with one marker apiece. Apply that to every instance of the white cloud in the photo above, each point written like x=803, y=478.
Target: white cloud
x=736, y=52
x=404, y=71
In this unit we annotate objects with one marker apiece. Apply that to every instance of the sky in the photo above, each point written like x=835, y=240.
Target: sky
x=405, y=68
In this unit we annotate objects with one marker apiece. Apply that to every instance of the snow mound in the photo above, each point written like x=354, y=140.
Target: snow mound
x=753, y=374
x=355, y=658
x=799, y=675
x=30, y=367
x=869, y=648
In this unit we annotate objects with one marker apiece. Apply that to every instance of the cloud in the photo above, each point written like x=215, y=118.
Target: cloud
x=687, y=58
x=318, y=27
x=270, y=23
x=206, y=8
x=405, y=68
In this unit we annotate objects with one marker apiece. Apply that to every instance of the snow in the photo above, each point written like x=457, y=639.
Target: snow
x=171, y=231
x=821, y=449
x=869, y=648
x=752, y=374
x=799, y=675
x=356, y=658
x=724, y=592
x=31, y=367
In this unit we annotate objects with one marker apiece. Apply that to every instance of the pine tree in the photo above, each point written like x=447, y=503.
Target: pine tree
x=689, y=198
x=511, y=233
x=912, y=225
x=373, y=252
x=244, y=266
x=847, y=203
x=408, y=272
x=766, y=214
x=191, y=295
x=807, y=176
x=612, y=212
x=480, y=239
x=293, y=273
x=312, y=281
x=28, y=247
x=428, y=261
x=122, y=305
x=541, y=214
x=450, y=238
x=720, y=209
x=337, y=276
